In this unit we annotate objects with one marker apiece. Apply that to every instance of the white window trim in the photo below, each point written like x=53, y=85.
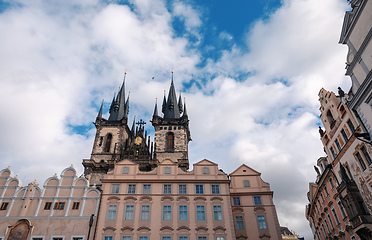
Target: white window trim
x=58, y=236
x=78, y=236
x=32, y=237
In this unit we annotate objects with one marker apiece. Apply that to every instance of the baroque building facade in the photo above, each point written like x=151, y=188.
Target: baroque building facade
x=136, y=189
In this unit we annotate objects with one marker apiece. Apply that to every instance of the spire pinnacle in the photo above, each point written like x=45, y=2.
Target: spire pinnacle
x=184, y=107
x=100, y=110
x=156, y=108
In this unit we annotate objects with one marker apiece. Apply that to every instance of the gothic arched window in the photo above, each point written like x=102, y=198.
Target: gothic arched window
x=108, y=142
x=170, y=142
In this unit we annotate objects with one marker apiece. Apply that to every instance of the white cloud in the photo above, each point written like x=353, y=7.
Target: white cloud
x=59, y=61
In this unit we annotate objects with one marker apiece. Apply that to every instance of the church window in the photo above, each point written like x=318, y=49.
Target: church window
x=351, y=126
x=261, y=222
x=145, y=212
x=100, y=141
x=366, y=155
x=170, y=141
x=108, y=142
x=215, y=189
x=343, y=133
x=48, y=205
x=205, y=170
x=132, y=188
x=125, y=170
x=59, y=206
x=4, y=206
x=257, y=200
x=199, y=189
x=200, y=213
x=360, y=159
x=236, y=201
x=247, y=183
x=167, y=189
x=146, y=189
x=75, y=205
x=115, y=188
x=239, y=222
x=111, y=213
x=182, y=189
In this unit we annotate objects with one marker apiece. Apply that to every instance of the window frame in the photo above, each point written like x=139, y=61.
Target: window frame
x=145, y=213
x=180, y=188
x=236, y=201
x=167, y=212
x=131, y=189
x=217, y=213
x=112, y=210
x=129, y=212
x=257, y=200
x=200, y=212
x=167, y=188
x=239, y=222
x=199, y=189
x=215, y=188
x=146, y=189
x=115, y=188
x=183, y=213
x=261, y=220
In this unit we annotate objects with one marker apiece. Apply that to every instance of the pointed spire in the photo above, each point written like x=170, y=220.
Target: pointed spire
x=126, y=108
x=113, y=110
x=121, y=100
x=100, y=111
x=184, y=107
x=164, y=103
x=180, y=103
x=133, y=125
x=171, y=107
x=112, y=103
x=156, y=108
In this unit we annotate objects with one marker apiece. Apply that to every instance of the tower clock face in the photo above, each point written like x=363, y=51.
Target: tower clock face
x=138, y=140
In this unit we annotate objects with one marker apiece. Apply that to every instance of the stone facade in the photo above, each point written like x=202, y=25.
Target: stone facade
x=61, y=210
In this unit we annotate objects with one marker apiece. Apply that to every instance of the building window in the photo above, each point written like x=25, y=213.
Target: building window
x=202, y=238
x=166, y=238
x=75, y=205
x=167, y=212
x=111, y=213
x=108, y=237
x=246, y=183
x=328, y=231
x=199, y=189
x=351, y=126
x=321, y=196
x=183, y=238
x=330, y=221
x=127, y=238
x=366, y=155
x=331, y=183
x=146, y=188
x=143, y=238
x=47, y=205
x=167, y=170
x=145, y=212
x=125, y=170
x=326, y=191
x=335, y=216
x=217, y=213
x=200, y=213
x=342, y=210
x=115, y=188
x=257, y=200
x=59, y=206
x=182, y=189
x=261, y=222
x=58, y=238
x=338, y=145
x=167, y=189
x=343, y=133
x=236, y=201
x=77, y=238
x=131, y=188
x=239, y=222
x=333, y=153
x=183, y=213
x=129, y=212
x=331, y=120
x=170, y=141
x=34, y=238
x=215, y=189
x=108, y=142
x=360, y=159
x=205, y=170
x=220, y=238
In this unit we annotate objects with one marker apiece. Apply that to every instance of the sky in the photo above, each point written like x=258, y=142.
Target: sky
x=250, y=72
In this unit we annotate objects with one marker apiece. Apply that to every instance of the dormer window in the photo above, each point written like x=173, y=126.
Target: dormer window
x=108, y=142
x=170, y=141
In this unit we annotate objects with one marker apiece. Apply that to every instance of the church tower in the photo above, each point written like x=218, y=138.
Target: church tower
x=172, y=134
x=111, y=136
